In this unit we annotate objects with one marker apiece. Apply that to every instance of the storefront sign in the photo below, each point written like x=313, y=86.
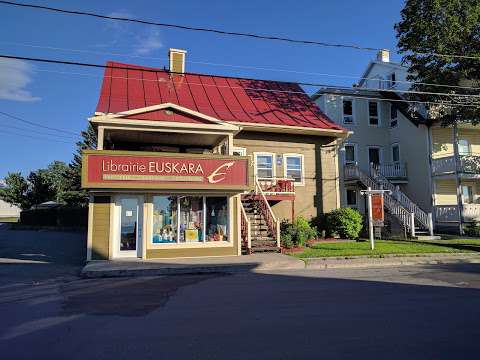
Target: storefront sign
x=119, y=169
x=377, y=209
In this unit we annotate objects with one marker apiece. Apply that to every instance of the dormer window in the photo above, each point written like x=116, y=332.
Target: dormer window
x=392, y=79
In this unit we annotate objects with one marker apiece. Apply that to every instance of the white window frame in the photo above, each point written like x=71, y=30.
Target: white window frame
x=274, y=163
x=353, y=111
x=241, y=150
x=469, y=151
x=472, y=192
x=380, y=153
x=302, y=159
x=355, y=153
x=379, y=122
x=356, y=198
x=399, y=153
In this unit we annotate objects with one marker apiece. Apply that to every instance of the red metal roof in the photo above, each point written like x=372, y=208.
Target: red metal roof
x=127, y=87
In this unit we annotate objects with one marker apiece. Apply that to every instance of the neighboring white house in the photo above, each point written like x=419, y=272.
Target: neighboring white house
x=7, y=210
x=394, y=146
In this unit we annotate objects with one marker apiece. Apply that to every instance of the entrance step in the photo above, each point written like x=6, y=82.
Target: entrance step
x=427, y=237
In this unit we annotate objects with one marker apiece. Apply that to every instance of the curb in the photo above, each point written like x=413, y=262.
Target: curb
x=389, y=260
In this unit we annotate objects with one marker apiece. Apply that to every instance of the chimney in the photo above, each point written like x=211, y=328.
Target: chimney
x=383, y=55
x=177, y=60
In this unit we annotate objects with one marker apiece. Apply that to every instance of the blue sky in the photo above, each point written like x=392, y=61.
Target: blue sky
x=64, y=97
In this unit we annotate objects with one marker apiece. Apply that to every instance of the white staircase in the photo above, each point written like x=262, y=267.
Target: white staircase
x=410, y=215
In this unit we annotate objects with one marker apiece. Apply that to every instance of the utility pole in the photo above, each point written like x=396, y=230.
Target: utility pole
x=458, y=180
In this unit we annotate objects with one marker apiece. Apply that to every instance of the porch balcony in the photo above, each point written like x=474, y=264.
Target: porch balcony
x=391, y=171
x=468, y=164
x=449, y=213
x=277, y=189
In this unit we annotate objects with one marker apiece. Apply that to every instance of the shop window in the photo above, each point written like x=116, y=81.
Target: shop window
x=373, y=113
x=191, y=219
x=217, y=219
x=294, y=168
x=196, y=214
x=264, y=164
x=351, y=197
x=164, y=219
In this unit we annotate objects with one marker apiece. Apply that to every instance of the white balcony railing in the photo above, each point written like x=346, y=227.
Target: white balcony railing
x=389, y=170
x=392, y=170
x=449, y=213
x=277, y=186
x=467, y=164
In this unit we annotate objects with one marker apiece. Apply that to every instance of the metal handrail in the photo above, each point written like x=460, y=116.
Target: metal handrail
x=272, y=222
x=246, y=229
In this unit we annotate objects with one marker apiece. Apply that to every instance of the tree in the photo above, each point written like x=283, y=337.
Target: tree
x=15, y=191
x=430, y=32
x=73, y=193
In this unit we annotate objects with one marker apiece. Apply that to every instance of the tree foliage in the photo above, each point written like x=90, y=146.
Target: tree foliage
x=58, y=182
x=428, y=32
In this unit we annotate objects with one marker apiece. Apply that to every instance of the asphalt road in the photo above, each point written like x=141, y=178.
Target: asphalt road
x=430, y=312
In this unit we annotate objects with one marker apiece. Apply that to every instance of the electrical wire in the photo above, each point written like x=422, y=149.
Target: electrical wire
x=217, y=31
x=250, y=67
x=63, y=62
x=35, y=131
x=34, y=137
x=37, y=124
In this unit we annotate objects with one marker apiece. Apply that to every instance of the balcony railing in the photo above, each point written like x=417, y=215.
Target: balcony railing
x=392, y=171
x=468, y=164
x=449, y=213
x=277, y=186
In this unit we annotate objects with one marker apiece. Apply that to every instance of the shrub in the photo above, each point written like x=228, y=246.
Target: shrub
x=473, y=229
x=345, y=222
x=298, y=233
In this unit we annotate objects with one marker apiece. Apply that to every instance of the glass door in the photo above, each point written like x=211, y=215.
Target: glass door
x=130, y=226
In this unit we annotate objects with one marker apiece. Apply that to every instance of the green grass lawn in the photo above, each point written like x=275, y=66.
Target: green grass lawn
x=9, y=219
x=383, y=247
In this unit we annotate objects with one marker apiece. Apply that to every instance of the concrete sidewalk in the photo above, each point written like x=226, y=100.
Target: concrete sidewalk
x=134, y=267
x=260, y=262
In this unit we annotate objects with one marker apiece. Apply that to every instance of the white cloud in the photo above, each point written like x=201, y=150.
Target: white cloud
x=148, y=42
x=15, y=75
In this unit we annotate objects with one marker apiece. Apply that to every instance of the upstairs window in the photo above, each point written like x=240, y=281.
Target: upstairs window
x=393, y=116
x=348, y=111
x=467, y=194
x=373, y=111
x=463, y=147
x=264, y=164
x=396, y=153
x=392, y=80
x=294, y=167
x=350, y=157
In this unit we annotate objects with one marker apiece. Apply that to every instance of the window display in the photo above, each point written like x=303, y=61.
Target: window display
x=217, y=219
x=200, y=219
x=191, y=218
x=164, y=219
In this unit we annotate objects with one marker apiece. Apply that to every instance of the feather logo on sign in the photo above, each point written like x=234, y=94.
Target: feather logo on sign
x=217, y=176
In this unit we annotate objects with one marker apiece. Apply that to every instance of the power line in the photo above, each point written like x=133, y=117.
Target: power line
x=63, y=62
x=34, y=137
x=441, y=102
x=34, y=131
x=37, y=124
x=251, y=67
x=217, y=31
